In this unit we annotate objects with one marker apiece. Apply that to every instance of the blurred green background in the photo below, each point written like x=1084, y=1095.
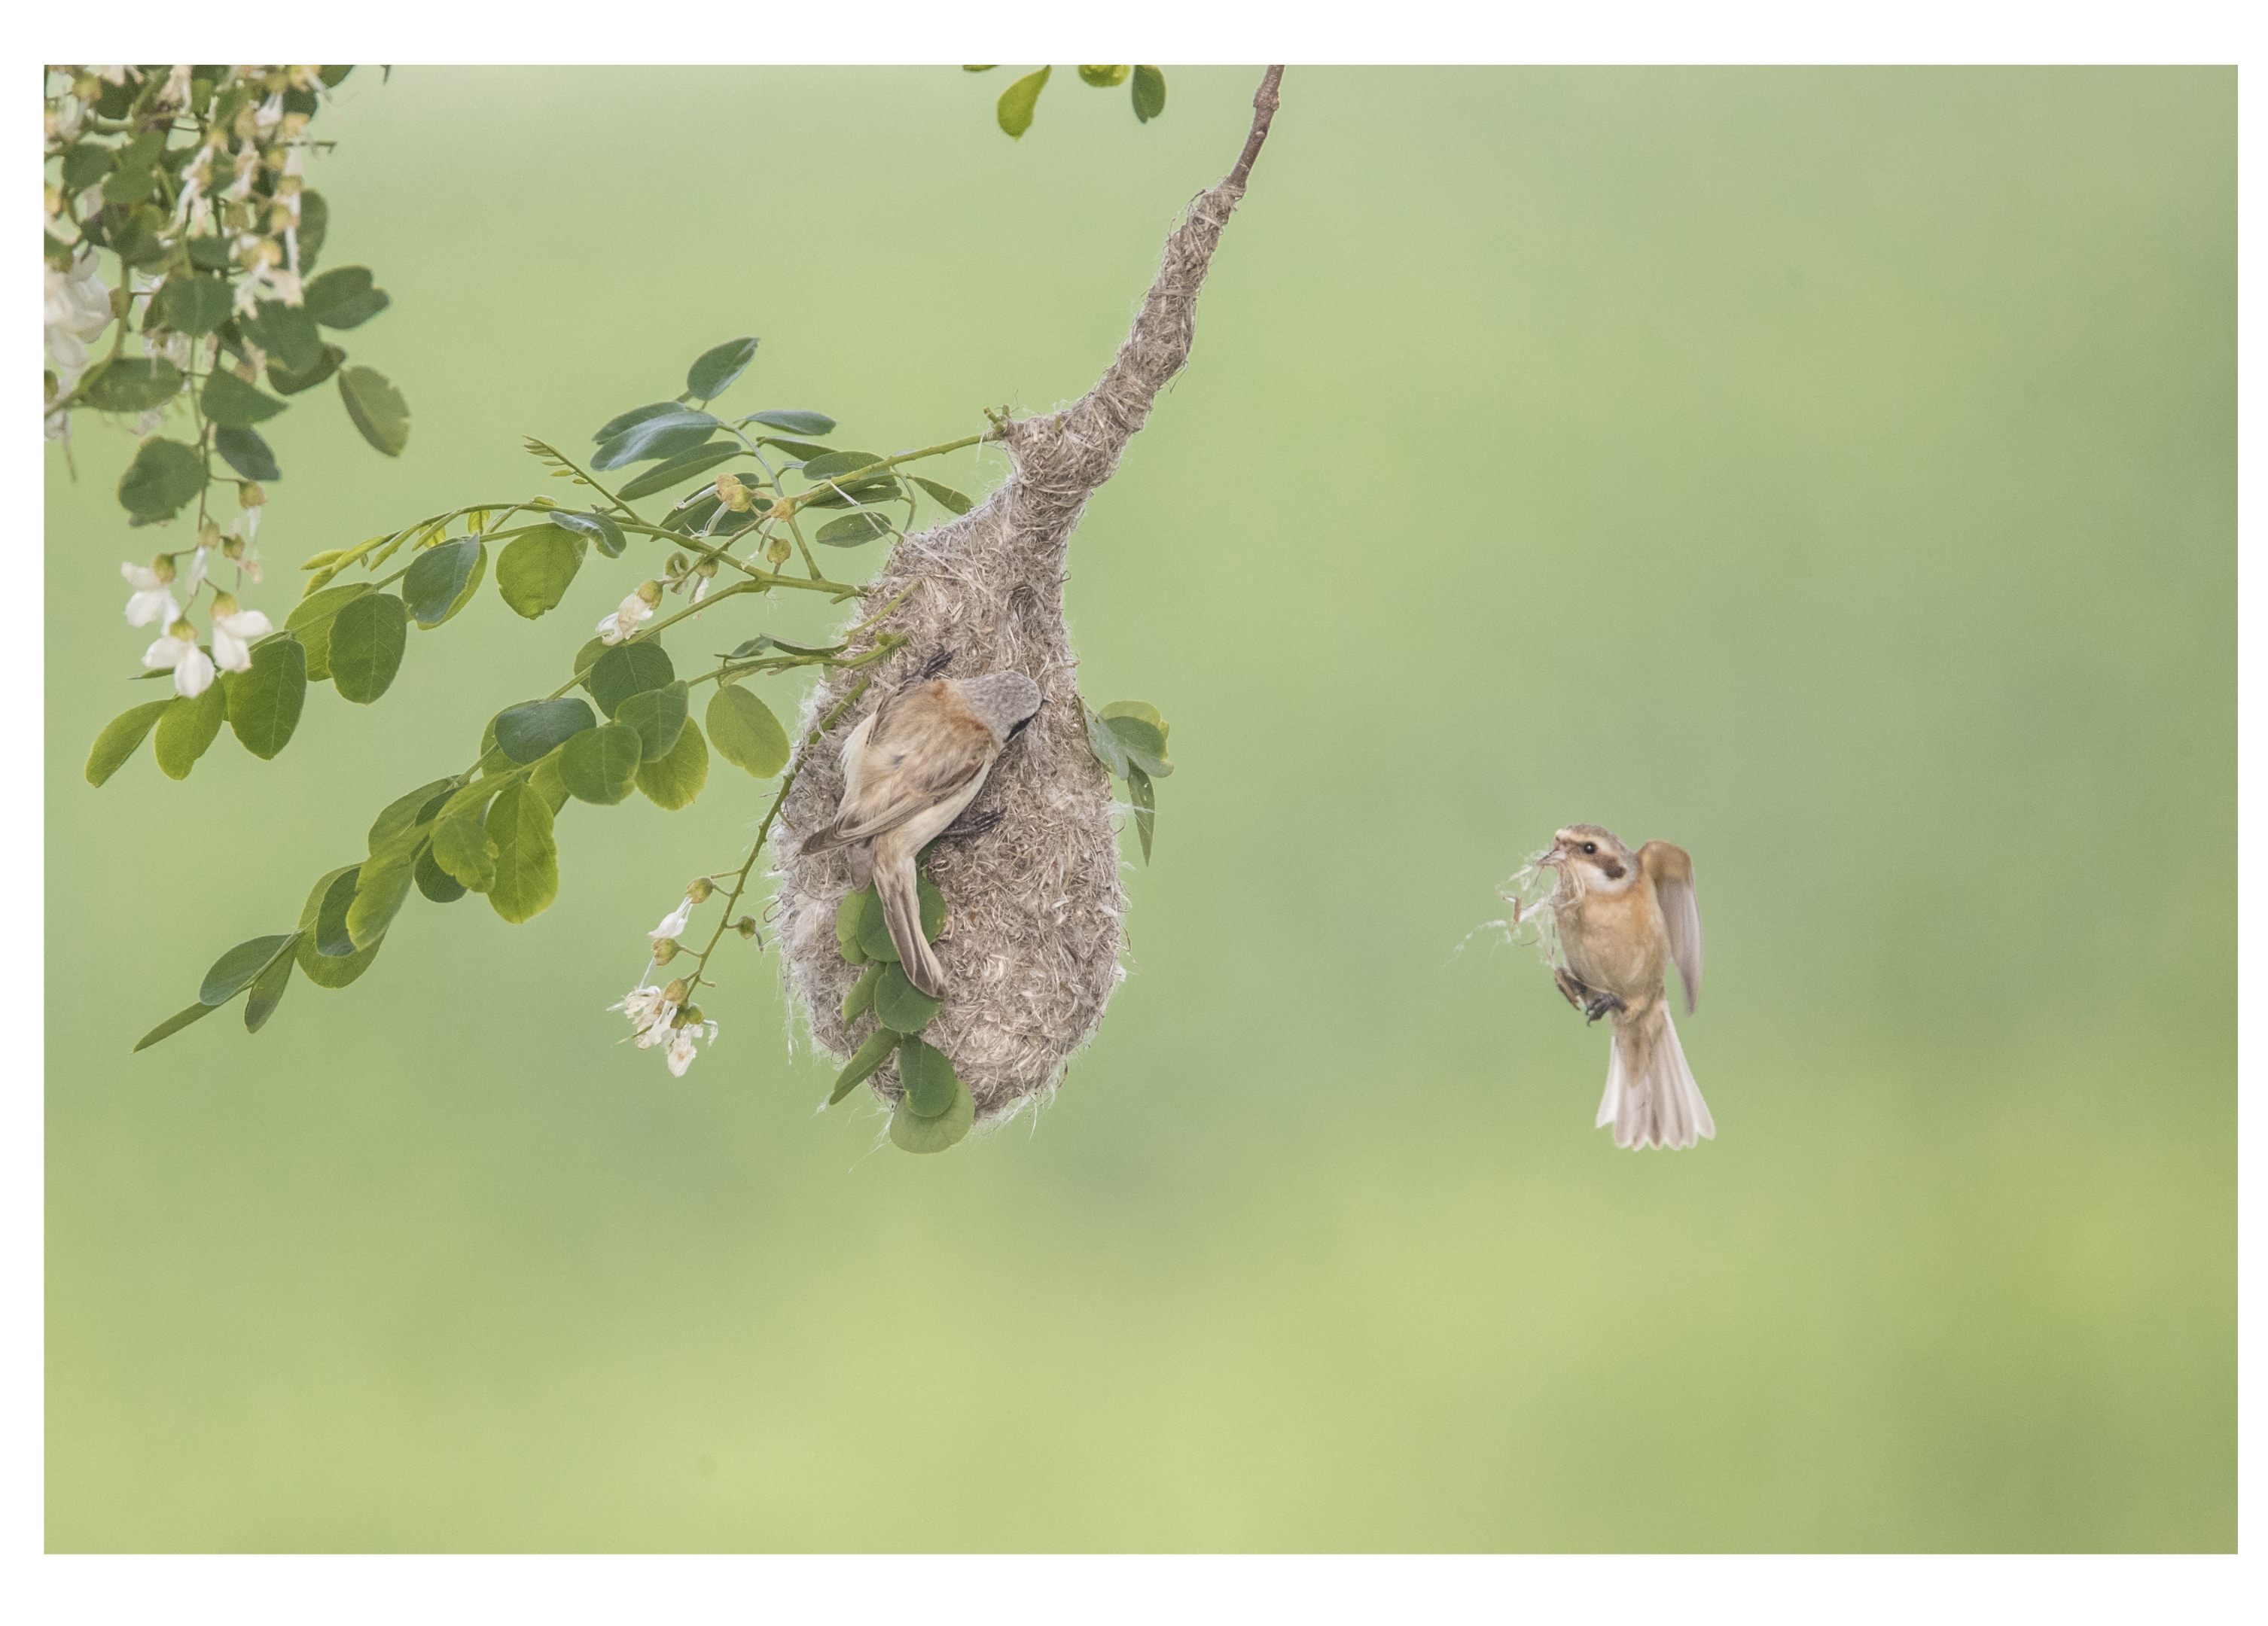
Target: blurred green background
x=1833, y=472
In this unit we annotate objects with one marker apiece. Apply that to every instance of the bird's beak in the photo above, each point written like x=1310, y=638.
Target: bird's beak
x=1548, y=860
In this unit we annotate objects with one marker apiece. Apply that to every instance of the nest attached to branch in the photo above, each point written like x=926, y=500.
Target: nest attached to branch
x=1033, y=932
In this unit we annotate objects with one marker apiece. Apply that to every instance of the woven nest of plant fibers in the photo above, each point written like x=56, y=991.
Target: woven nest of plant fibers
x=1034, y=933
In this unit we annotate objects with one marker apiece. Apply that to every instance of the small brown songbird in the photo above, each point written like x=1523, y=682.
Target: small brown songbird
x=1622, y=918
x=908, y=771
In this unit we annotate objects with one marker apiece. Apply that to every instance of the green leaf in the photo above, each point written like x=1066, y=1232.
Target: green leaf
x=1017, y=102
x=713, y=375
x=665, y=435
x=343, y=297
x=867, y=491
x=284, y=381
x=794, y=420
x=129, y=183
x=527, y=861
x=1142, y=742
x=120, y=738
x=85, y=164
x=658, y=714
x=629, y=669
x=764, y=641
x=212, y=254
x=244, y=452
x=1144, y=709
x=367, y=637
x=377, y=409
x=910, y=1131
x=529, y=731
x=234, y=970
x=928, y=1077
x=286, y=332
x=406, y=813
x=438, y=885
x=615, y=425
x=874, y=926
x=442, y=580
x=268, y=988
x=1102, y=77
x=188, y=728
x=661, y=476
x=1146, y=806
x=194, y=304
x=601, y=765
x=1107, y=747
x=672, y=782
x=947, y=498
x=383, y=887
x=849, y=919
x=838, y=463
x=134, y=384
x=332, y=970
x=599, y=529
x=463, y=848
x=537, y=567
x=264, y=701
x=870, y=1056
x=899, y=1004
x=312, y=619
x=746, y=733
x=229, y=399
x=853, y=531
x=164, y=475
x=324, y=919
x=173, y=1024
x=588, y=657
x=1149, y=94
x=861, y=997
x=795, y=448
x=932, y=909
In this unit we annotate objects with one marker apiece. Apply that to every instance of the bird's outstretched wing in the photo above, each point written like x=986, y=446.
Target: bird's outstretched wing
x=924, y=748
x=1671, y=869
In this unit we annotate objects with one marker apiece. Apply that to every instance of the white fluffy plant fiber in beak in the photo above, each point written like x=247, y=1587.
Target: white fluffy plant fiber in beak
x=1032, y=937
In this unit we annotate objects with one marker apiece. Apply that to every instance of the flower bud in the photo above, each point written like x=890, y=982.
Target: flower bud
x=184, y=630
x=690, y=1017
x=745, y=926
x=249, y=495
x=224, y=604
x=293, y=123
x=232, y=548
x=651, y=591
x=162, y=568
x=780, y=552
x=699, y=890
x=209, y=535
x=676, y=991
x=730, y=492
x=782, y=508
x=677, y=566
x=665, y=950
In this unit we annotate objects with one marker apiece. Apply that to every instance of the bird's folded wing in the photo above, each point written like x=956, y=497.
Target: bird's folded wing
x=1670, y=868
x=931, y=754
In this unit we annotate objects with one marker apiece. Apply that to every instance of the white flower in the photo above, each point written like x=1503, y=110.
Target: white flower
x=193, y=669
x=63, y=123
x=674, y=922
x=614, y=628
x=152, y=599
x=196, y=576
x=270, y=113
x=640, y=1004
x=176, y=93
x=77, y=309
x=117, y=73
x=234, y=629
x=681, y=1045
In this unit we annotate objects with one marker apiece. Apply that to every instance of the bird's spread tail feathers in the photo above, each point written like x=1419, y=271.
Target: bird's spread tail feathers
x=895, y=884
x=1651, y=1099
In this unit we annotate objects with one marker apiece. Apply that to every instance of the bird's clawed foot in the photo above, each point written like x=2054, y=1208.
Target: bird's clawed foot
x=974, y=823
x=1600, y=1004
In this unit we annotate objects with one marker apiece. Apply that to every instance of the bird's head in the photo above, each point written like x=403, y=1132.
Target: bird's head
x=1592, y=857
x=1003, y=700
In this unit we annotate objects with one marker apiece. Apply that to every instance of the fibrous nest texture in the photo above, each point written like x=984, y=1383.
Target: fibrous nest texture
x=1032, y=943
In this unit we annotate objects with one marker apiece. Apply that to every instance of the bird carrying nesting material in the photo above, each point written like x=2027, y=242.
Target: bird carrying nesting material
x=1030, y=951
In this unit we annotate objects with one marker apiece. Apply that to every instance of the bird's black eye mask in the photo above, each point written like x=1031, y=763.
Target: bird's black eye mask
x=1028, y=721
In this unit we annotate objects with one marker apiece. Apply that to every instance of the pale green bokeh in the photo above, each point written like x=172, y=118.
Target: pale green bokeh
x=1833, y=472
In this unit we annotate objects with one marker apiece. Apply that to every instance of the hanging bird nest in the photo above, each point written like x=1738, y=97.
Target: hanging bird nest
x=1034, y=931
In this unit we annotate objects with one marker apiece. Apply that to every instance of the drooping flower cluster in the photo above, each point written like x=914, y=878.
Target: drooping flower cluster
x=233, y=627
x=660, y=1015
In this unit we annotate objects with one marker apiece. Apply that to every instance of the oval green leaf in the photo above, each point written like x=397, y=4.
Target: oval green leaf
x=186, y=728
x=229, y=399
x=383, y=887
x=323, y=920
x=636, y=416
x=746, y=733
x=527, y=861
x=194, y=304
x=526, y=732
x=120, y=738
x=1019, y=100
x=665, y=435
x=661, y=476
x=376, y=406
x=343, y=296
x=853, y=531
x=713, y=373
x=1149, y=94
x=268, y=988
x=441, y=579
x=794, y=420
x=899, y=1004
x=836, y=464
x=601, y=765
x=404, y=812
x=311, y=620
x=1142, y=742
x=438, y=885
x=947, y=498
x=463, y=848
x=911, y=1132
x=672, y=782
x=285, y=382
x=877, y=1049
x=134, y=384
x=286, y=332
x=235, y=969
x=367, y=637
x=265, y=703
x=658, y=714
x=629, y=669
x=598, y=527
x=164, y=475
x=856, y=1003
x=849, y=914
x=173, y=1024
x=537, y=567
x=244, y=452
